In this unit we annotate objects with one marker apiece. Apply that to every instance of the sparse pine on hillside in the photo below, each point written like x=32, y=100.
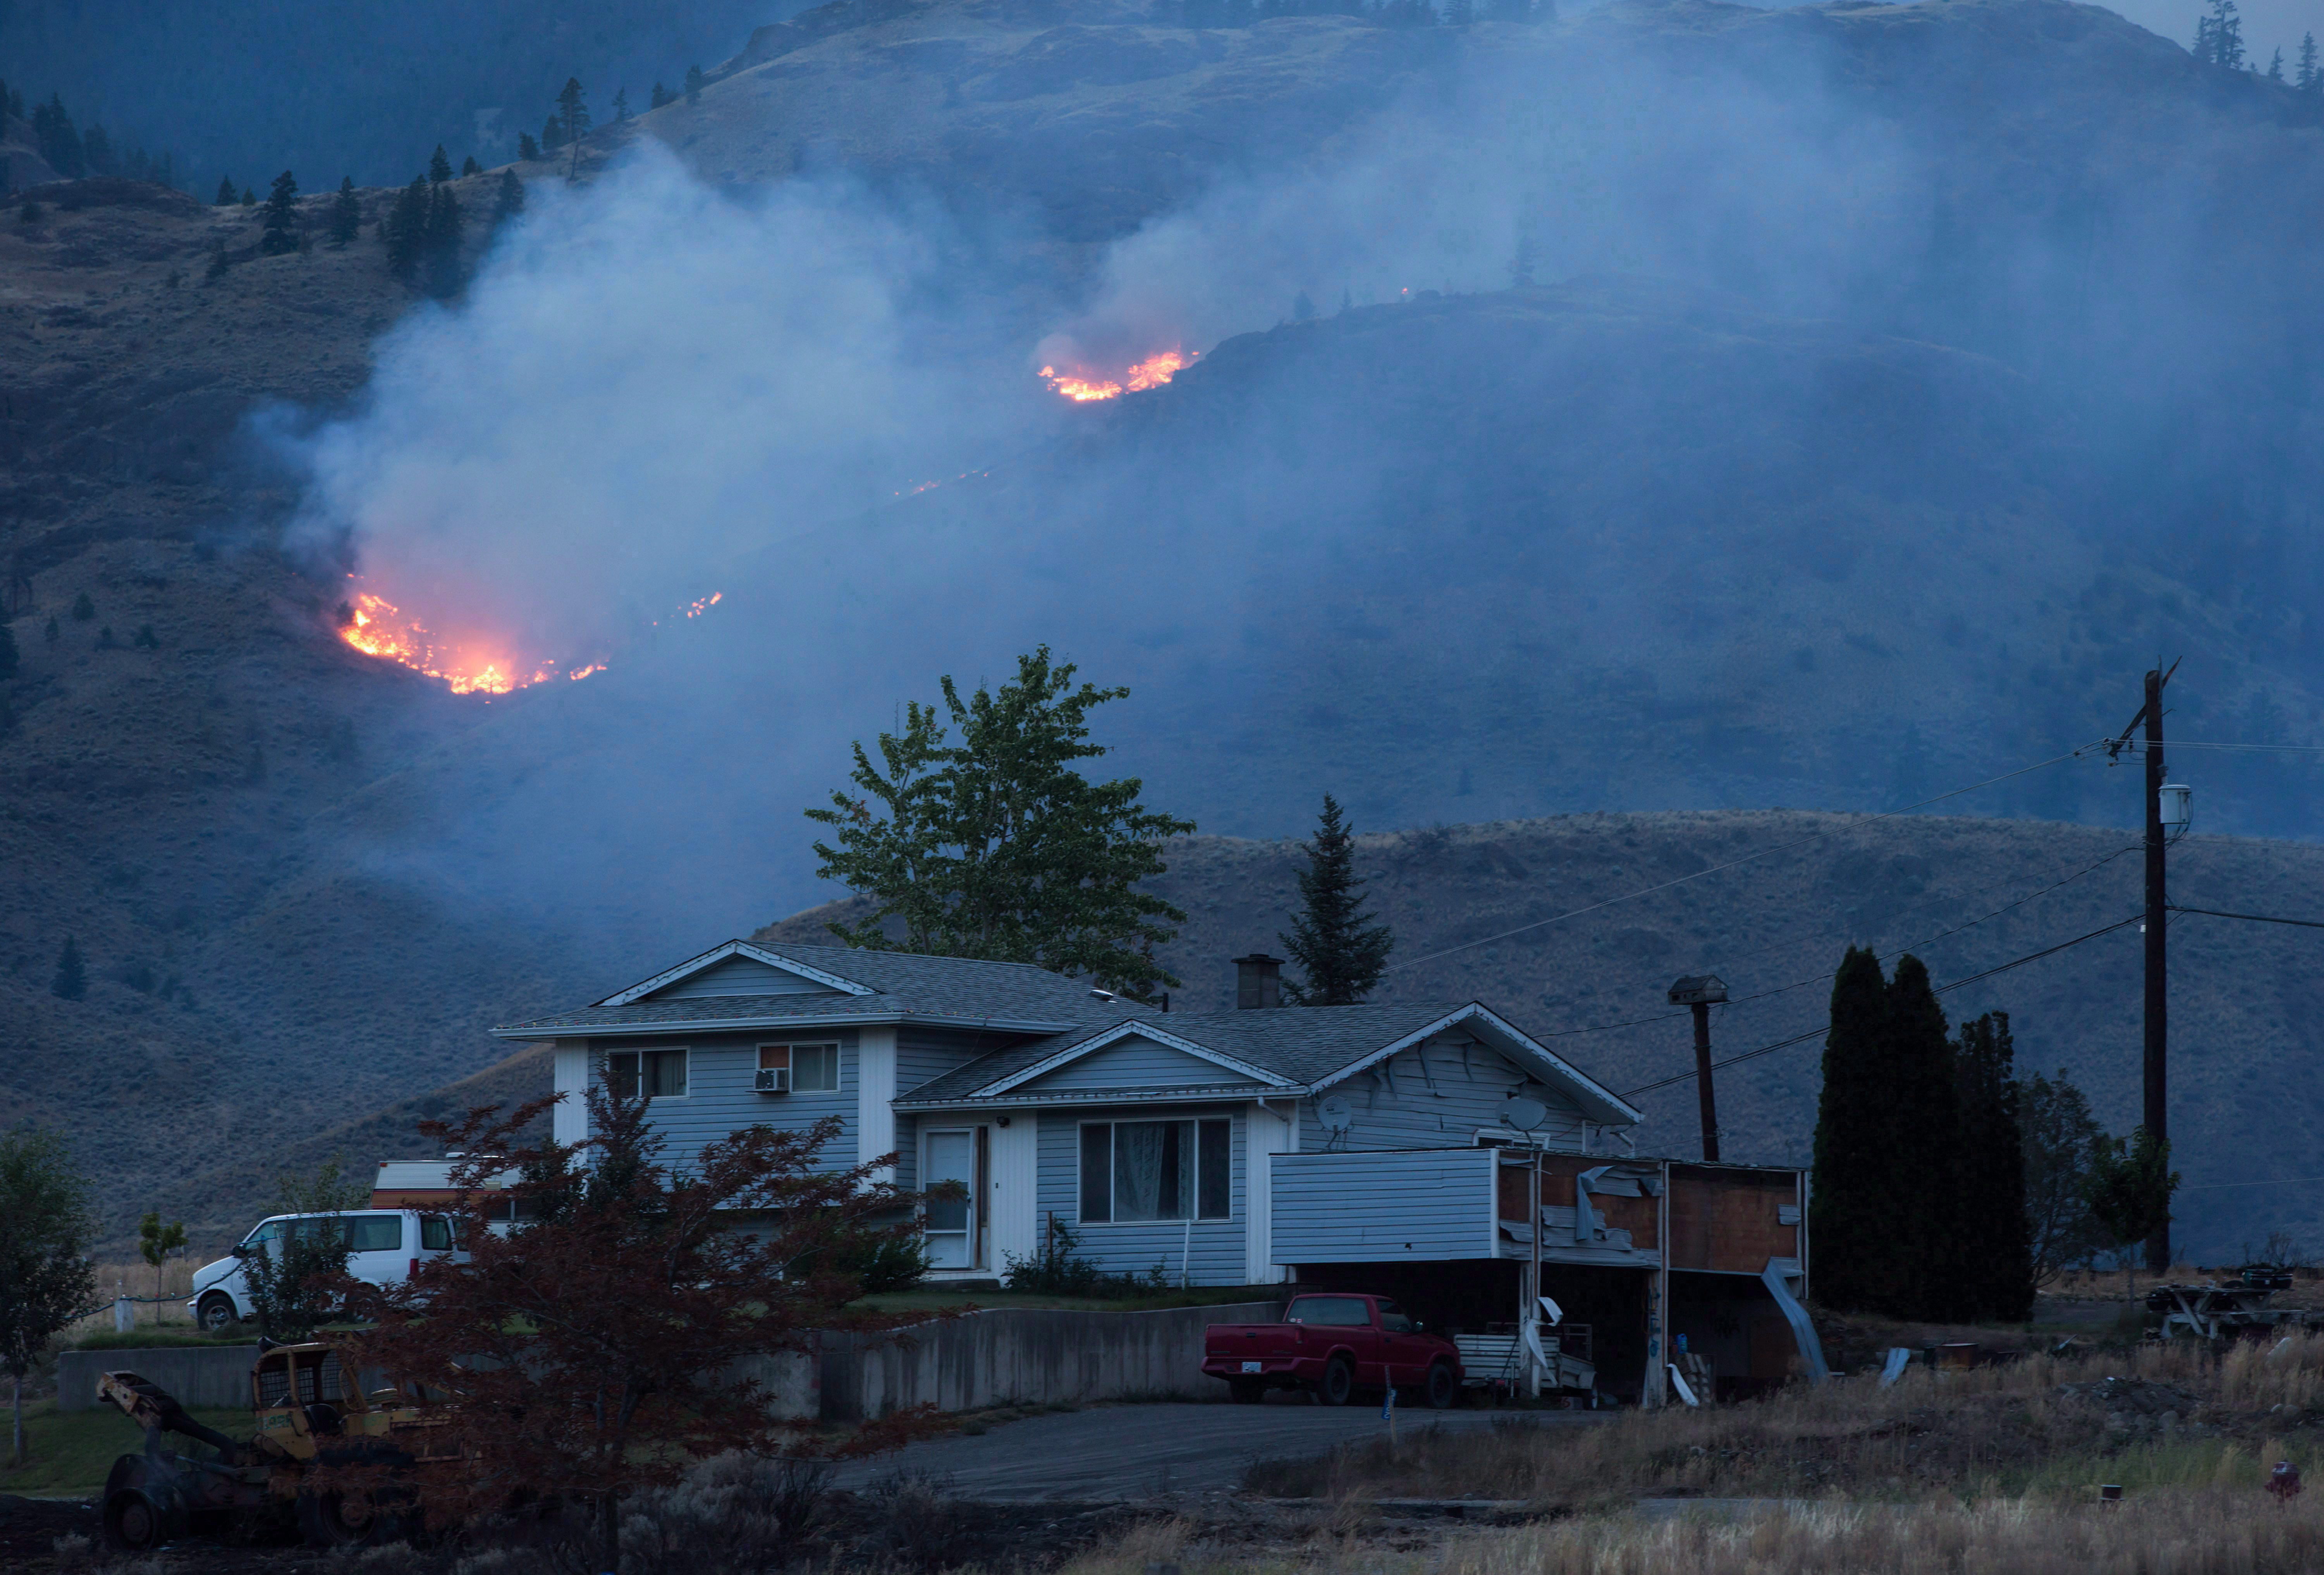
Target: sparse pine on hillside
x=2219, y=36
x=346, y=213
x=573, y=117
x=50, y=632
x=511, y=194
x=1995, y=1235
x=279, y=234
x=1338, y=948
x=527, y=149
x=71, y=981
x=407, y=228
x=226, y=197
x=447, y=224
x=996, y=846
x=694, y=84
x=249, y=198
x=439, y=166
x=621, y=105
x=2304, y=75
x=552, y=133
x=659, y=97
x=468, y=166
x=59, y=142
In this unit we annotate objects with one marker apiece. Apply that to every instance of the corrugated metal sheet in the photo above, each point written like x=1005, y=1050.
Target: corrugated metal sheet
x=1377, y=1207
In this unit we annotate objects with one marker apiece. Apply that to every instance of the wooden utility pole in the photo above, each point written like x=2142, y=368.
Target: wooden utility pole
x=2156, y=1111
x=1701, y=992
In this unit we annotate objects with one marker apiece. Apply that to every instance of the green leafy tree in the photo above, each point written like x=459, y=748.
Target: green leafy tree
x=439, y=166
x=296, y=1277
x=279, y=234
x=71, y=982
x=346, y=213
x=1333, y=939
x=156, y=1241
x=2129, y=1189
x=1853, y=1210
x=2057, y=1136
x=694, y=84
x=996, y=846
x=46, y=1279
x=1996, y=1231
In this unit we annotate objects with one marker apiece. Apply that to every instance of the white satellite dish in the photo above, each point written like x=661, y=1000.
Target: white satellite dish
x=1524, y=1113
x=1335, y=1113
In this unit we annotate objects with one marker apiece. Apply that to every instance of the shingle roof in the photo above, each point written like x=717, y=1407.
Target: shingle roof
x=954, y=989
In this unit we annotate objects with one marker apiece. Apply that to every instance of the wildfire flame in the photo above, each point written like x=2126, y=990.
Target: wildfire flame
x=1151, y=373
x=378, y=627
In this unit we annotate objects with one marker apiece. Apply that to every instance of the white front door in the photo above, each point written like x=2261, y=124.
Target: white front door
x=948, y=1178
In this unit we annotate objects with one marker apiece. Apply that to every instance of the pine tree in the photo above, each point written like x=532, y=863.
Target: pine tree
x=573, y=110
x=2304, y=75
x=659, y=97
x=249, y=198
x=1853, y=1212
x=407, y=228
x=2275, y=65
x=446, y=225
x=468, y=166
x=346, y=213
x=1924, y=1151
x=439, y=167
x=226, y=192
x=552, y=135
x=71, y=982
x=694, y=84
x=1303, y=308
x=2219, y=36
x=511, y=194
x=621, y=105
x=1992, y=1172
x=60, y=144
x=280, y=234
x=527, y=149
x=83, y=609
x=97, y=151
x=1333, y=939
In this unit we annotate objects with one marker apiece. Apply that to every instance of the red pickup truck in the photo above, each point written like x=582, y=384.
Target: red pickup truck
x=1332, y=1344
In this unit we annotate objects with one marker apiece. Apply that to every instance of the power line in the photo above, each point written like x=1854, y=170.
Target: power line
x=1747, y=858
x=2254, y=918
x=1940, y=989
x=2278, y=1182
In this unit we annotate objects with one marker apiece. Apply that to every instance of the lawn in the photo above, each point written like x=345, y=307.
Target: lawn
x=937, y=1299
x=71, y=1451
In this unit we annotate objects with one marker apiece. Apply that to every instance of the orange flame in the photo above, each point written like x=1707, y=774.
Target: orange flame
x=1151, y=373
x=378, y=627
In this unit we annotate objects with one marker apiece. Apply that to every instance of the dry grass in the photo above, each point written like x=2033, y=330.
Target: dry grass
x=2006, y=1429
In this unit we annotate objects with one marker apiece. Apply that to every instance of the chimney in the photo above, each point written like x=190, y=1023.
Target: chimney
x=1259, y=981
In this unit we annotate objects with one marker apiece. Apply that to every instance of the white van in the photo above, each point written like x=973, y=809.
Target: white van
x=388, y=1245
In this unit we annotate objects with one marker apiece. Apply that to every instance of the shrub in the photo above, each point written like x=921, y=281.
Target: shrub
x=1058, y=1270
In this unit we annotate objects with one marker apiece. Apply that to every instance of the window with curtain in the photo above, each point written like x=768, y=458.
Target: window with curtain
x=662, y=1073
x=1134, y=1172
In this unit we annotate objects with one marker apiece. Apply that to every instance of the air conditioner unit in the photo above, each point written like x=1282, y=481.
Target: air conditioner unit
x=774, y=1080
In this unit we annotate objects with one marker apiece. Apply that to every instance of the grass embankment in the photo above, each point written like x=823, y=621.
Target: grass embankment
x=937, y=1299
x=72, y=1450
x=147, y=1337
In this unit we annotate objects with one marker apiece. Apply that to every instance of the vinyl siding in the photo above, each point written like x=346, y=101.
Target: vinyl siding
x=1375, y=1206
x=925, y=1054
x=719, y=1097
x=1418, y=1115
x=1134, y=1062
x=741, y=976
x=1217, y=1257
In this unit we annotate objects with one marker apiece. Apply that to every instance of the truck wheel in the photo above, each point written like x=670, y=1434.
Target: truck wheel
x=1442, y=1389
x=1338, y=1383
x=134, y=1523
x=1246, y=1391
x=341, y=1520
x=216, y=1313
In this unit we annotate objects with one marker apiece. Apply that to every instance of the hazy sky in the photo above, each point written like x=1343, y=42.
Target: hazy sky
x=2268, y=24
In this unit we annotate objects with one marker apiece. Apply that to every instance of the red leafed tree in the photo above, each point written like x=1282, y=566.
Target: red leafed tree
x=592, y=1347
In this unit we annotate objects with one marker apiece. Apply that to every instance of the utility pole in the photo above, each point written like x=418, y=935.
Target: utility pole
x=2157, y=1107
x=1701, y=992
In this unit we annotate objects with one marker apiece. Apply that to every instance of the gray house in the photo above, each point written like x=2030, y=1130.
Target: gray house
x=1391, y=1147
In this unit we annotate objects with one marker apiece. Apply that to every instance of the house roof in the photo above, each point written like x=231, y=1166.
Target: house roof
x=864, y=986
x=1300, y=1049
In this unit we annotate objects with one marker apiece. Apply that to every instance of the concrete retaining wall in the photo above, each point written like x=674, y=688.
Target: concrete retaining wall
x=1024, y=1355
x=196, y=1374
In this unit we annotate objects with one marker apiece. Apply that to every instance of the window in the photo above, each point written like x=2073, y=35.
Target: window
x=435, y=1234
x=1137, y=1170
x=664, y=1071
x=1333, y=1312
x=815, y=1068
x=1393, y=1319
x=375, y=1233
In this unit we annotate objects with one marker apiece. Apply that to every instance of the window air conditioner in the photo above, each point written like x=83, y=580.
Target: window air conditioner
x=774, y=1080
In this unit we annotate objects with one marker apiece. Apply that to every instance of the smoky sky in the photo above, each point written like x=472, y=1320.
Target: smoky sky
x=654, y=390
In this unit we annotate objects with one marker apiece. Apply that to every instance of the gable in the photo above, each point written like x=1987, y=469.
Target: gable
x=740, y=975
x=1447, y=1088
x=1131, y=1062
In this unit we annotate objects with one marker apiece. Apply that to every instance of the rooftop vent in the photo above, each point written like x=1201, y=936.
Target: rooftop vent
x=1259, y=981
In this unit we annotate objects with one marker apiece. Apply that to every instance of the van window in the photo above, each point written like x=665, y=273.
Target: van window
x=265, y=1233
x=1336, y=1311
x=435, y=1234
x=375, y=1233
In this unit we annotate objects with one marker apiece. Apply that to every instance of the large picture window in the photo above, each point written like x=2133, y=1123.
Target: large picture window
x=815, y=1068
x=663, y=1073
x=1137, y=1170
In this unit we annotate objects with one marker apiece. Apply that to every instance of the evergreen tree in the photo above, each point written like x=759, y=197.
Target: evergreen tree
x=621, y=105
x=225, y=198
x=659, y=97
x=407, y=228
x=468, y=166
x=1333, y=939
x=527, y=149
x=279, y=233
x=97, y=153
x=439, y=167
x=2275, y=65
x=511, y=194
x=83, y=609
x=9, y=655
x=346, y=213
x=694, y=84
x=1303, y=308
x=446, y=225
x=1853, y=1212
x=249, y=198
x=552, y=135
x=2219, y=36
x=1992, y=1172
x=573, y=110
x=2304, y=75
x=71, y=982
x=1926, y=1152
x=60, y=144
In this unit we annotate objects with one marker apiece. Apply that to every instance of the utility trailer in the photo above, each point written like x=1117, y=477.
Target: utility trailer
x=323, y=1458
x=2235, y=1308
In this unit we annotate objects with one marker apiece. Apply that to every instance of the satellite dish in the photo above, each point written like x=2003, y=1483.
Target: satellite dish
x=1524, y=1113
x=1335, y=1113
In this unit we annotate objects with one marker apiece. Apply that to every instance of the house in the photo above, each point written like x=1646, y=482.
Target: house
x=1386, y=1147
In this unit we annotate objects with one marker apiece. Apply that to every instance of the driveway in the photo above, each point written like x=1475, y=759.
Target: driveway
x=1113, y=1452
